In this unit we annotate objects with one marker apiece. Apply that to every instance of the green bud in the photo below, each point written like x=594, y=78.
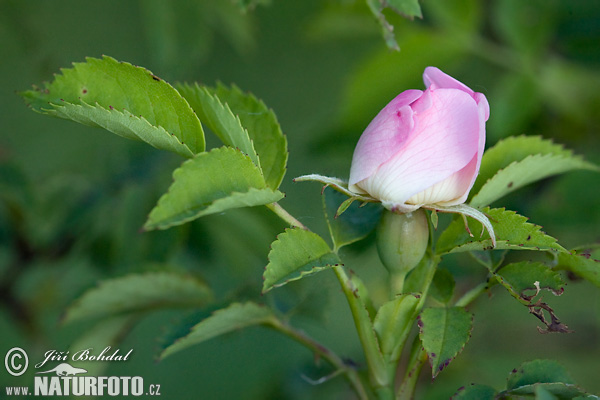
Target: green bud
x=401, y=242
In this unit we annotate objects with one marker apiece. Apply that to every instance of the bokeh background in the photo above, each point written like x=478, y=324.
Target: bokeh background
x=73, y=198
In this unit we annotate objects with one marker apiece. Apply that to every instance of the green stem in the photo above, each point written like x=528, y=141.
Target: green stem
x=397, y=282
x=325, y=353
x=378, y=373
x=418, y=358
x=472, y=294
x=286, y=216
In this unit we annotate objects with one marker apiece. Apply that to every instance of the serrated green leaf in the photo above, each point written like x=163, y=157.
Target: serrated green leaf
x=442, y=286
x=137, y=293
x=212, y=182
x=258, y=121
x=512, y=232
x=219, y=118
x=408, y=8
x=295, y=254
x=232, y=318
x=520, y=173
x=530, y=276
x=475, y=392
x=511, y=149
x=264, y=130
x=444, y=332
x=394, y=321
x=123, y=124
x=581, y=263
x=354, y=224
x=110, y=84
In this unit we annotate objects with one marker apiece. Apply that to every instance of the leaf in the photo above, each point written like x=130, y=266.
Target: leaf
x=354, y=224
x=123, y=124
x=212, y=182
x=538, y=371
x=582, y=263
x=532, y=276
x=442, y=286
x=137, y=293
x=394, y=321
x=511, y=149
x=408, y=8
x=220, y=119
x=520, y=173
x=475, y=392
x=263, y=128
x=444, y=333
x=109, y=84
x=295, y=254
x=232, y=318
x=512, y=232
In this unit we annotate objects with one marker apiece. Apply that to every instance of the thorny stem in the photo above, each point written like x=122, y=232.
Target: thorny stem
x=325, y=353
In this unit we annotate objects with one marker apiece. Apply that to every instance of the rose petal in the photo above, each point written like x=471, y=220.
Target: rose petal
x=434, y=78
x=444, y=141
x=384, y=136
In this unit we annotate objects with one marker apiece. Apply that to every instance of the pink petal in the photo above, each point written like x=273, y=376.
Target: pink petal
x=384, y=136
x=445, y=140
x=434, y=78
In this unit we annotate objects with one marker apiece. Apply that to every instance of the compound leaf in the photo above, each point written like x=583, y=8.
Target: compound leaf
x=212, y=182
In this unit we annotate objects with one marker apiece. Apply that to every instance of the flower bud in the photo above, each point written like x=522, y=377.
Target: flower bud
x=424, y=148
x=401, y=242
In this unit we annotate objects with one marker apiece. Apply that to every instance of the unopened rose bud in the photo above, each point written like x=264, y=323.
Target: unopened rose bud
x=424, y=148
x=401, y=243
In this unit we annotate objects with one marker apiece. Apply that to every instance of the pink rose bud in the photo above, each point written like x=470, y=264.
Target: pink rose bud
x=424, y=148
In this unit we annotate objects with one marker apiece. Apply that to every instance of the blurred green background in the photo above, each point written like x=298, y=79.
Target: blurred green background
x=73, y=198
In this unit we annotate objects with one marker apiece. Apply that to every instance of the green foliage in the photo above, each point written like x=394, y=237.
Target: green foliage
x=295, y=254
x=475, y=392
x=264, y=130
x=520, y=173
x=408, y=8
x=514, y=150
x=442, y=286
x=582, y=263
x=219, y=118
x=212, y=182
x=354, y=224
x=232, y=318
x=138, y=293
x=105, y=84
x=512, y=232
x=530, y=276
x=444, y=332
x=394, y=321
